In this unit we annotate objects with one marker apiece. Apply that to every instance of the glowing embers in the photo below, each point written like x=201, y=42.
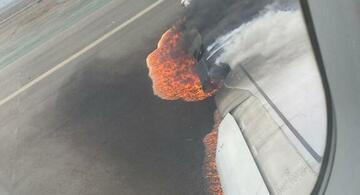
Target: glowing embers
x=211, y=172
x=172, y=70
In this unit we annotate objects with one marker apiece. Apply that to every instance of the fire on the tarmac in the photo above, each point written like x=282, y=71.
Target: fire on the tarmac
x=210, y=142
x=172, y=70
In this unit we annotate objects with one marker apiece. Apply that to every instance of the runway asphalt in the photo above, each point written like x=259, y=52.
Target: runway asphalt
x=78, y=115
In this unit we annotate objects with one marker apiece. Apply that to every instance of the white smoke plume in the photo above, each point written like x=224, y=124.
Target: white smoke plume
x=273, y=35
x=287, y=71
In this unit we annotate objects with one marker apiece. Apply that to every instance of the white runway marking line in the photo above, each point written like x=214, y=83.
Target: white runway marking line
x=79, y=53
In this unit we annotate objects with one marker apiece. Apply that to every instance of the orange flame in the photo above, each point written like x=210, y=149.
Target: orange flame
x=172, y=70
x=210, y=142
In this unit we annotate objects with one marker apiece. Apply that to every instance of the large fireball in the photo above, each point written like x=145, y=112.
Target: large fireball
x=172, y=70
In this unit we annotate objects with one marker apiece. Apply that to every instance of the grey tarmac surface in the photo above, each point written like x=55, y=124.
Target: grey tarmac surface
x=94, y=126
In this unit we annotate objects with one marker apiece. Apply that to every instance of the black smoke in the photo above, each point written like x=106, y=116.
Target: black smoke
x=216, y=17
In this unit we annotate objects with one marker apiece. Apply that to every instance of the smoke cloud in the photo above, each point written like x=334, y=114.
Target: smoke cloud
x=216, y=17
x=276, y=35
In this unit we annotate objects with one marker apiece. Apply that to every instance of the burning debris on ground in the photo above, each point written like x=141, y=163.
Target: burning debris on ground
x=211, y=173
x=181, y=68
x=172, y=68
x=179, y=71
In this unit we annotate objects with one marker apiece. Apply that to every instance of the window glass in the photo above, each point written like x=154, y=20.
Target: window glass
x=284, y=119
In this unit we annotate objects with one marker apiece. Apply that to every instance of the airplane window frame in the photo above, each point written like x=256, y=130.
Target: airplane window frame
x=330, y=147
